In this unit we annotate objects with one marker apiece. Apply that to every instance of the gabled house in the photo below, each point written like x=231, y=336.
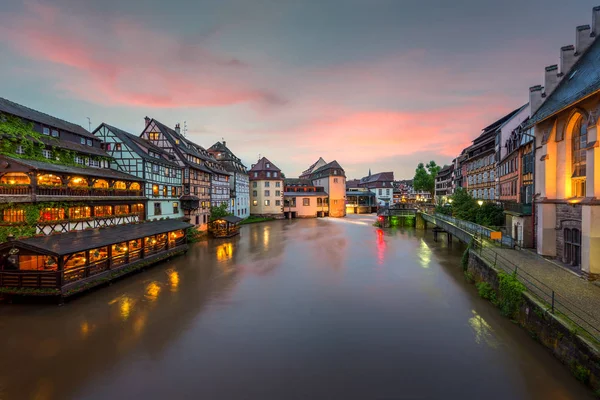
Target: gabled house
x=150, y=163
x=332, y=177
x=238, y=182
x=266, y=184
x=382, y=184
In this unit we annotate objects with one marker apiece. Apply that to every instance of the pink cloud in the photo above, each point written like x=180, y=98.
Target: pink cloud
x=121, y=62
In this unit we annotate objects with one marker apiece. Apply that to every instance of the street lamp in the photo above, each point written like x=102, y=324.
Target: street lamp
x=450, y=201
x=480, y=202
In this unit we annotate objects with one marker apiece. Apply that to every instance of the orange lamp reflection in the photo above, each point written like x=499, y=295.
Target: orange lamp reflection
x=224, y=252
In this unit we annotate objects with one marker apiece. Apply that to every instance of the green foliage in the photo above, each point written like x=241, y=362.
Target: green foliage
x=468, y=276
x=443, y=209
x=464, y=261
x=580, y=372
x=219, y=212
x=486, y=291
x=465, y=207
x=425, y=177
x=490, y=215
x=254, y=219
x=193, y=235
x=511, y=294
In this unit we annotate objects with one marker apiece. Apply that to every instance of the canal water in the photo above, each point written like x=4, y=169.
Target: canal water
x=302, y=309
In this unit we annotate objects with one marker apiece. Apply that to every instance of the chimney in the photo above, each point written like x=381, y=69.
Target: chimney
x=583, y=40
x=147, y=120
x=535, y=98
x=567, y=58
x=178, y=128
x=224, y=143
x=551, y=79
x=596, y=21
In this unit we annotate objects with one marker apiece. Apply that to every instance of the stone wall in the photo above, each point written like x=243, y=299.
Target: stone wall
x=576, y=352
x=567, y=216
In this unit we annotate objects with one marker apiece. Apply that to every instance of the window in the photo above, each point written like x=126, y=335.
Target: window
x=82, y=140
x=52, y=214
x=166, y=171
x=275, y=174
x=278, y=202
x=155, y=169
x=94, y=163
x=121, y=210
x=13, y=215
x=46, y=131
x=79, y=160
x=268, y=174
x=267, y=193
x=165, y=191
x=137, y=208
x=54, y=133
x=277, y=184
x=102, y=211
x=267, y=202
x=47, y=153
x=89, y=143
x=267, y=184
x=254, y=184
x=175, y=208
x=173, y=191
x=306, y=202
x=387, y=192
x=254, y=202
x=256, y=174
x=268, y=165
x=153, y=136
x=572, y=249
x=319, y=201
x=157, y=209
x=155, y=190
x=278, y=193
x=578, y=160
x=380, y=191
x=19, y=150
x=335, y=180
x=254, y=193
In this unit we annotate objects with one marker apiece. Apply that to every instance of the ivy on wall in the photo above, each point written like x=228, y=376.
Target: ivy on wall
x=15, y=132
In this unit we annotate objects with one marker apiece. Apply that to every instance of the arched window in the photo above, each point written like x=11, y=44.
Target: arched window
x=485, y=194
x=572, y=249
x=77, y=181
x=134, y=186
x=120, y=185
x=578, y=156
x=15, y=178
x=492, y=194
x=49, y=180
x=101, y=184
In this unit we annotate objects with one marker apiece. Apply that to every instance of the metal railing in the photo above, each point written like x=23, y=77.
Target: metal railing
x=475, y=229
x=556, y=302
x=519, y=208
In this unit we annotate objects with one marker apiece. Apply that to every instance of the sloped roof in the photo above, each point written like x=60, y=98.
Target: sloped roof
x=497, y=124
x=352, y=183
x=378, y=177
x=580, y=81
x=90, y=171
x=136, y=143
x=229, y=161
x=333, y=164
x=10, y=107
x=312, y=167
x=297, y=182
x=79, y=148
x=261, y=165
x=73, y=242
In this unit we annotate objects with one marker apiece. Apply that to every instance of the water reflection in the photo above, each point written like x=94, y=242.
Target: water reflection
x=152, y=291
x=484, y=334
x=380, y=247
x=224, y=252
x=173, y=280
x=424, y=254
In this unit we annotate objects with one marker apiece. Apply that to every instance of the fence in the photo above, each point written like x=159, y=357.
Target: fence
x=475, y=229
x=557, y=303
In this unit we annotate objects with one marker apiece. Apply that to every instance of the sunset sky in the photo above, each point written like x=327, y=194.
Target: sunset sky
x=377, y=84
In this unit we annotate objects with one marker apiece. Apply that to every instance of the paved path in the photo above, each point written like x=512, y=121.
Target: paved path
x=575, y=297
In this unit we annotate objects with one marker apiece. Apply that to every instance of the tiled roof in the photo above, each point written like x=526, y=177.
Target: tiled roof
x=261, y=165
x=297, y=182
x=333, y=164
x=90, y=171
x=79, y=148
x=379, y=177
x=580, y=81
x=312, y=167
x=10, y=107
x=136, y=143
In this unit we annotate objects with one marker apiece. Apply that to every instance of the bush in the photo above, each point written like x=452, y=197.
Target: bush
x=511, y=294
x=581, y=373
x=486, y=291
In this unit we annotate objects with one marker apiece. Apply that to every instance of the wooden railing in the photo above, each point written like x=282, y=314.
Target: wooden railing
x=15, y=190
x=74, y=191
x=30, y=279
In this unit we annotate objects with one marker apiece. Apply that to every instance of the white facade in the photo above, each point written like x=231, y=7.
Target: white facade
x=240, y=204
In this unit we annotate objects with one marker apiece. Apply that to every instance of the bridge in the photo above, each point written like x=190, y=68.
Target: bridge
x=445, y=226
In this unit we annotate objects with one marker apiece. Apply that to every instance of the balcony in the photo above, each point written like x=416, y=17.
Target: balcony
x=517, y=208
x=86, y=192
x=15, y=190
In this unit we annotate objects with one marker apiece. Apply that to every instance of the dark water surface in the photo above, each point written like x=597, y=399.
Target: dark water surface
x=303, y=309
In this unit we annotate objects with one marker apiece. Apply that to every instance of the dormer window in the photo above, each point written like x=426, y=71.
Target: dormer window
x=82, y=140
x=89, y=142
x=54, y=133
x=153, y=136
x=268, y=165
x=46, y=131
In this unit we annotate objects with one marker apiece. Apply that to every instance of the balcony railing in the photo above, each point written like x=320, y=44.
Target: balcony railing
x=15, y=190
x=74, y=191
x=519, y=208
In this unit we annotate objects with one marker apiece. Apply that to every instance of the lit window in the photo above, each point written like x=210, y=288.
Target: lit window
x=254, y=202
x=102, y=211
x=79, y=212
x=13, y=215
x=267, y=202
x=52, y=214
x=153, y=136
x=175, y=208
x=155, y=190
x=121, y=210
x=578, y=160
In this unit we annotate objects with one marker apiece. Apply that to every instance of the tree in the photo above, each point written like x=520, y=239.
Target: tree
x=425, y=177
x=464, y=205
x=219, y=212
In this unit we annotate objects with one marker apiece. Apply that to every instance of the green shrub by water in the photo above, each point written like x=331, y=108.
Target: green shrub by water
x=510, y=294
x=486, y=291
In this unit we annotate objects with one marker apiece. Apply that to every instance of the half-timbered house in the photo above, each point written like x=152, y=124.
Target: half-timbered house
x=196, y=176
x=158, y=169
x=238, y=181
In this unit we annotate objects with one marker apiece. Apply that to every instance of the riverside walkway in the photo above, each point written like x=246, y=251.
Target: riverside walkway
x=563, y=290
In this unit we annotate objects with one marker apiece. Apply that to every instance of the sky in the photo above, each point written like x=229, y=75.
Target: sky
x=373, y=84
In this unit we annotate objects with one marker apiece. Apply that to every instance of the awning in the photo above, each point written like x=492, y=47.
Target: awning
x=74, y=242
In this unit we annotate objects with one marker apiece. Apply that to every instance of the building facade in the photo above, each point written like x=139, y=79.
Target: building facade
x=443, y=182
x=157, y=168
x=239, y=184
x=565, y=122
x=382, y=184
x=266, y=186
x=196, y=176
x=302, y=199
x=55, y=177
x=332, y=177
